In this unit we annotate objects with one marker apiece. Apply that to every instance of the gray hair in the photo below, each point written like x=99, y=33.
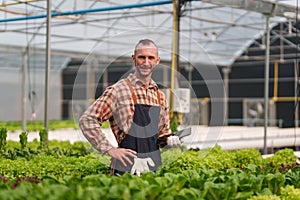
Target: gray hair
x=145, y=42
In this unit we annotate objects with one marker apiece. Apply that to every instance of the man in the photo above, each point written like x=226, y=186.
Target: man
x=138, y=114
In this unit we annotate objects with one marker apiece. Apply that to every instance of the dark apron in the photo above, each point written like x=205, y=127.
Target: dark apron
x=142, y=136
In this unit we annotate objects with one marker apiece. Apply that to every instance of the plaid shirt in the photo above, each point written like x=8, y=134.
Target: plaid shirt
x=117, y=106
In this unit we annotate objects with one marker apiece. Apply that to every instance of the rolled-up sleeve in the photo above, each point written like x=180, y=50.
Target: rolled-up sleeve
x=91, y=120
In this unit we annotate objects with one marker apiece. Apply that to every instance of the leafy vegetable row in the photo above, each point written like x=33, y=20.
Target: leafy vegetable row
x=185, y=174
x=24, y=149
x=38, y=125
x=42, y=166
x=188, y=184
x=216, y=158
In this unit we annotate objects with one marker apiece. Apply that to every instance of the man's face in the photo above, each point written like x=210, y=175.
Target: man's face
x=145, y=59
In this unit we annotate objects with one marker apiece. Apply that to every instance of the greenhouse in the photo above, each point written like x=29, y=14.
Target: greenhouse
x=229, y=70
x=212, y=36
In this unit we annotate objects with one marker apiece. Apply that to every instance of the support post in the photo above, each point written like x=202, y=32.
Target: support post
x=174, y=56
x=226, y=72
x=175, y=53
x=24, y=88
x=267, y=57
x=48, y=63
x=296, y=94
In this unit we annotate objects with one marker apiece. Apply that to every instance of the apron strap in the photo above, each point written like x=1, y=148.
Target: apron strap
x=131, y=90
x=158, y=97
x=133, y=93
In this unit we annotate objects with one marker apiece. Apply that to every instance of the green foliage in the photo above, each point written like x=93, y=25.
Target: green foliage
x=290, y=193
x=216, y=158
x=43, y=140
x=23, y=139
x=170, y=155
x=72, y=171
x=55, y=148
x=274, y=182
x=189, y=184
x=286, y=193
x=282, y=159
x=173, y=124
x=245, y=157
x=42, y=166
x=188, y=160
x=265, y=197
x=3, y=144
x=293, y=176
x=38, y=125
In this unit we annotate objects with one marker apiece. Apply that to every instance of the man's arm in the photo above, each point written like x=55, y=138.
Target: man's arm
x=90, y=123
x=91, y=120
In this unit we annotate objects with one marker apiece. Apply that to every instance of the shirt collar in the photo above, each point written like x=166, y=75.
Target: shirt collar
x=137, y=82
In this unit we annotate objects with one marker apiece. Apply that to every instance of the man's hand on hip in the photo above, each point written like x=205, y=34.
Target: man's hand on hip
x=122, y=154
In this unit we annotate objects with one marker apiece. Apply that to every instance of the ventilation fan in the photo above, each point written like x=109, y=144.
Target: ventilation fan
x=256, y=110
x=253, y=112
